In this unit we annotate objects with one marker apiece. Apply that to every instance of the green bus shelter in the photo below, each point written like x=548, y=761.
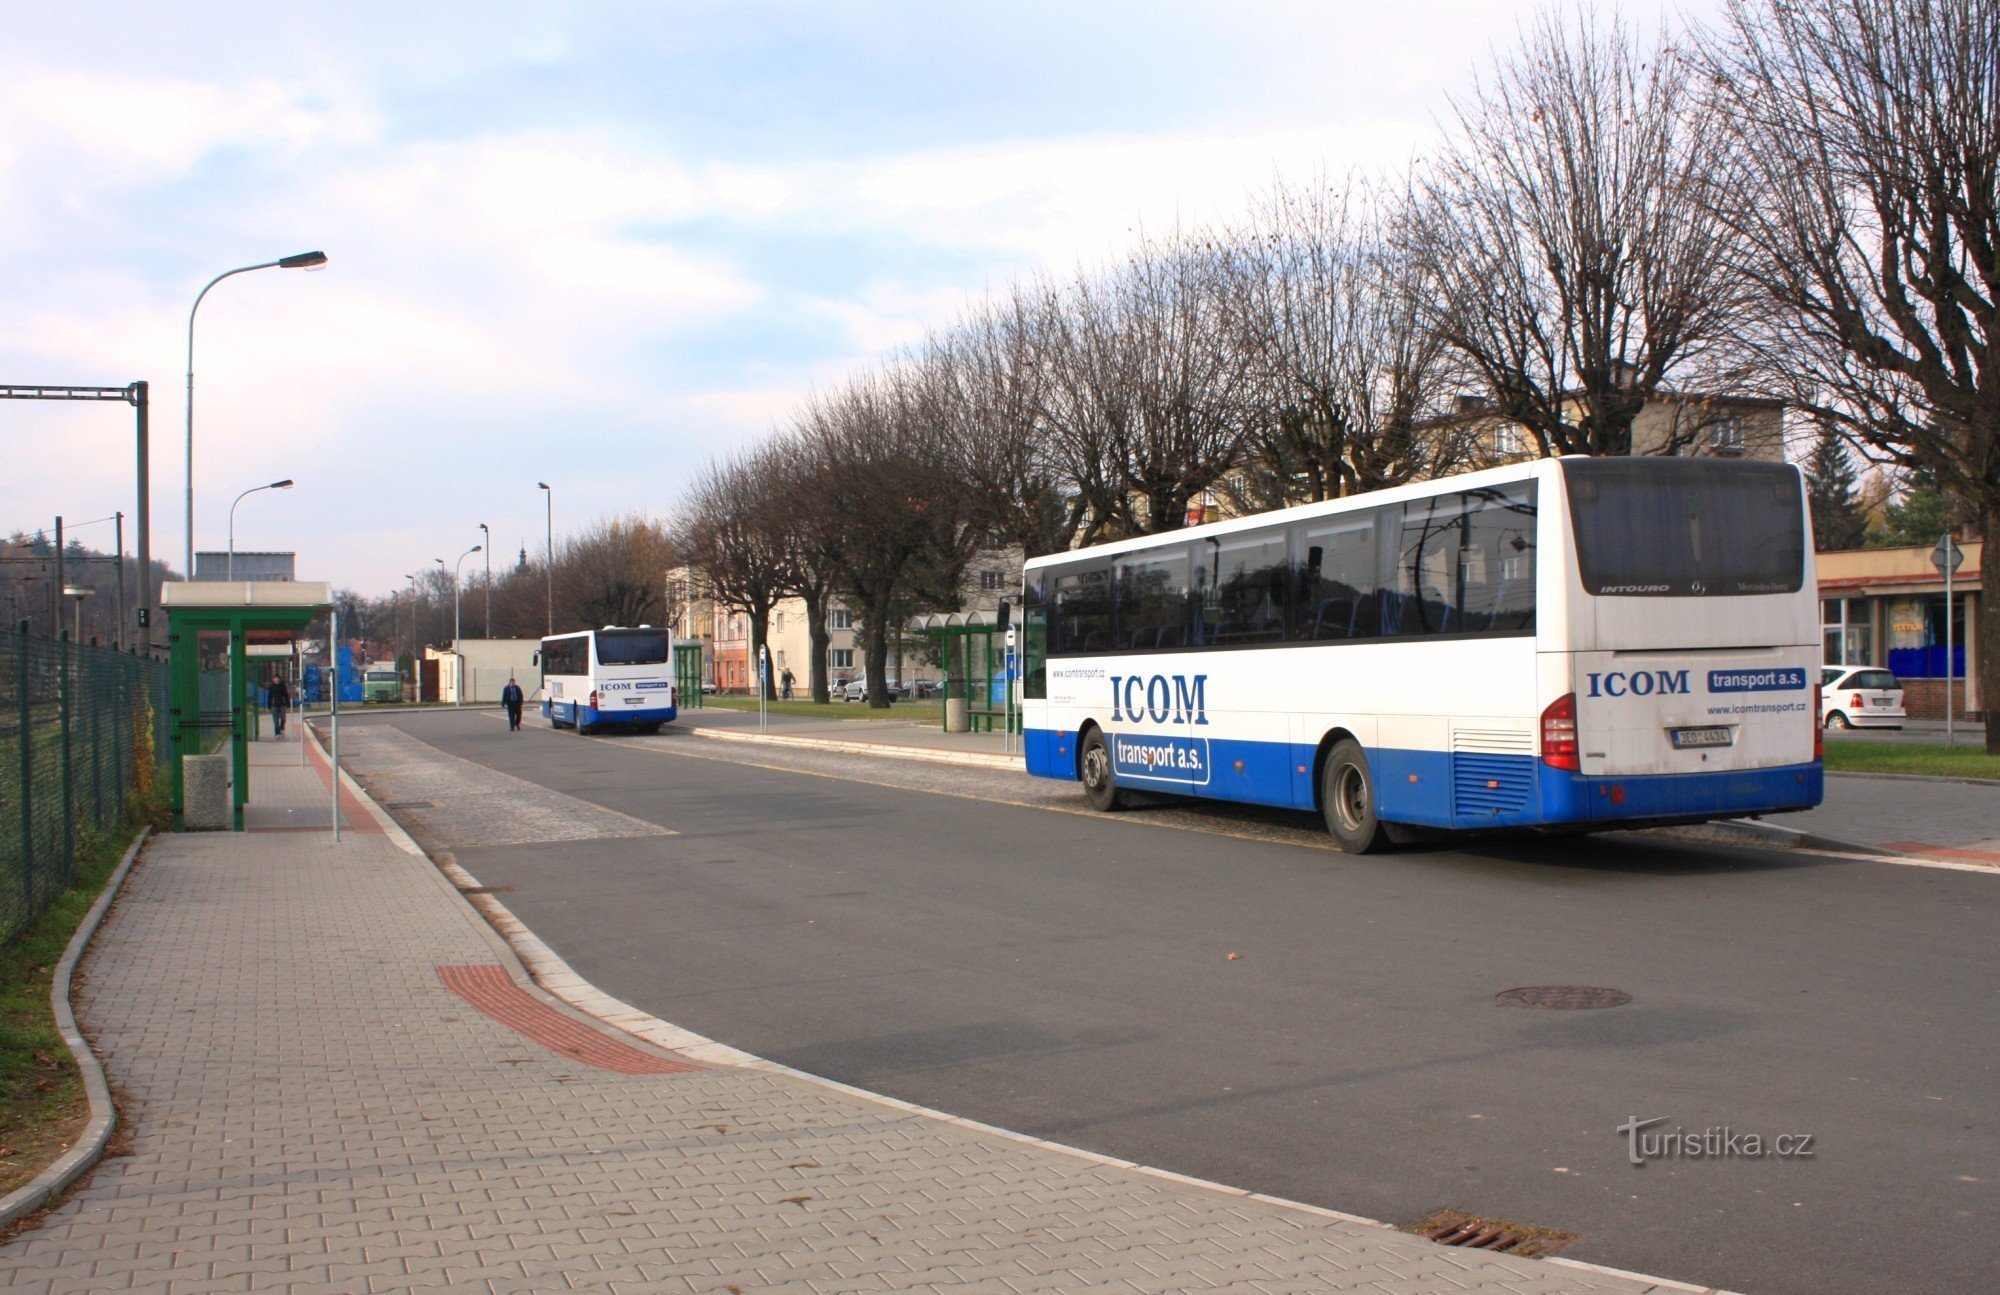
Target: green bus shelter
x=210, y=627
x=972, y=648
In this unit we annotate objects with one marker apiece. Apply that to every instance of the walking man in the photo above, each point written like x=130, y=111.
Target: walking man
x=511, y=698
x=280, y=699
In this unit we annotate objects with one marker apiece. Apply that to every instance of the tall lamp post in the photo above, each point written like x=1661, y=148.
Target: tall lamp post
x=457, y=655
x=298, y=261
x=486, y=542
x=229, y=565
x=549, y=497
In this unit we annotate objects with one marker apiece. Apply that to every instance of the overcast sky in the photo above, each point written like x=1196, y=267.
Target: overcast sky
x=596, y=244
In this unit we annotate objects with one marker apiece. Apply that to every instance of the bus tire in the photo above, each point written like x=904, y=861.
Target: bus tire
x=1093, y=767
x=1347, y=796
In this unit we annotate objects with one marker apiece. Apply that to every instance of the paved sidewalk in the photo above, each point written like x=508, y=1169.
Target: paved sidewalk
x=1958, y=822
x=334, y=1083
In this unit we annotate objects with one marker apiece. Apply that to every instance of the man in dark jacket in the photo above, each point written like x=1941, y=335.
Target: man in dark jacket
x=511, y=698
x=279, y=698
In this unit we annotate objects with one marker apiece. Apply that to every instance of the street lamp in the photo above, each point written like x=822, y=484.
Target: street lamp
x=457, y=655
x=486, y=542
x=549, y=497
x=229, y=568
x=78, y=593
x=299, y=261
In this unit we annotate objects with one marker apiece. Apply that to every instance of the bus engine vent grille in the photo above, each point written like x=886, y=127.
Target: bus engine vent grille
x=1492, y=772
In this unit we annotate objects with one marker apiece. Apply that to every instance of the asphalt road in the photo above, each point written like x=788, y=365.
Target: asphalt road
x=979, y=943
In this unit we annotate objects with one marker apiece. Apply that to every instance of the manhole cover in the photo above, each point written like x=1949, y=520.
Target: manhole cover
x=1562, y=998
x=1452, y=1228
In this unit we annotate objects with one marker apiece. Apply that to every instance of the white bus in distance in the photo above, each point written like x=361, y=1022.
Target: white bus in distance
x=1570, y=643
x=608, y=678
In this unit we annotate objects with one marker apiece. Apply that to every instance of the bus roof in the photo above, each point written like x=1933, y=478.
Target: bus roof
x=1531, y=470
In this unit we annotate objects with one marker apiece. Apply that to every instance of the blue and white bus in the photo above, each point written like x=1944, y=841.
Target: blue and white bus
x=609, y=678
x=1569, y=643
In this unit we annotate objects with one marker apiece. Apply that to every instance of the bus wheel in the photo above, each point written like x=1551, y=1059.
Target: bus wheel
x=1094, y=765
x=1347, y=794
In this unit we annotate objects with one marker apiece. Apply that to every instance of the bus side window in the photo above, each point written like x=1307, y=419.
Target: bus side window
x=1336, y=594
x=1082, y=620
x=1153, y=601
x=1497, y=561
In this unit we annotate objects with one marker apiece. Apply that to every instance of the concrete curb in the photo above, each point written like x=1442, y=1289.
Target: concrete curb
x=72, y=1164
x=972, y=759
x=552, y=974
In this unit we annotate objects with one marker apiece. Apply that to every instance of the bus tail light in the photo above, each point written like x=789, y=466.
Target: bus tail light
x=593, y=699
x=1819, y=727
x=1559, y=749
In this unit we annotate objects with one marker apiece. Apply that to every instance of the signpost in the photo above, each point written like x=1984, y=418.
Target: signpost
x=763, y=677
x=1947, y=557
x=1008, y=675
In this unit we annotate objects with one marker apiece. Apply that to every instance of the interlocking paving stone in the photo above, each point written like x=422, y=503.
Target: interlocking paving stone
x=312, y=1110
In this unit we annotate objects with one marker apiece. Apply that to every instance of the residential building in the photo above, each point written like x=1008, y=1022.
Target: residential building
x=1740, y=427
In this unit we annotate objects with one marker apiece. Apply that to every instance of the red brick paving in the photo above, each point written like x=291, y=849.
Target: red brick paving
x=492, y=991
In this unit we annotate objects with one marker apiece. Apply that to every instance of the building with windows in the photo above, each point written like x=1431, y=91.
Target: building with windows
x=724, y=632
x=1737, y=427
x=1886, y=607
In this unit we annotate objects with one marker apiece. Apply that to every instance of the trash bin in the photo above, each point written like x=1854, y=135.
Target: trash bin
x=957, y=715
x=205, y=793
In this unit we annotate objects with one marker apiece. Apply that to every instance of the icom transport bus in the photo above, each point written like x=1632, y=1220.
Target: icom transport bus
x=608, y=678
x=1565, y=644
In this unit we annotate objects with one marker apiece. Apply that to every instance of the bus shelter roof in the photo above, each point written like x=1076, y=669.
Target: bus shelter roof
x=956, y=623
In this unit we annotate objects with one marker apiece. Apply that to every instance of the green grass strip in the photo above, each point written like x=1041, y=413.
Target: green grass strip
x=1933, y=758
x=42, y=1103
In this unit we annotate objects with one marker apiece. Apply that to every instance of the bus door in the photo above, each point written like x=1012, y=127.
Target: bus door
x=1156, y=694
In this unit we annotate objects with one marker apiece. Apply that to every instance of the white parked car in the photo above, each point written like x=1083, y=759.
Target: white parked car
x=854, y=690
x=1859, y=697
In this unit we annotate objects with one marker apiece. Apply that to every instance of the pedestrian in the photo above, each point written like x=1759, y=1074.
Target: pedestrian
x=786, y=680
x=279, y=698
x=511, y=698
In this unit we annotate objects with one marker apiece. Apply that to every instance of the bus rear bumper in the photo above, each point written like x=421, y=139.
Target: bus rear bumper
x=1568, y=797
x=587, y=718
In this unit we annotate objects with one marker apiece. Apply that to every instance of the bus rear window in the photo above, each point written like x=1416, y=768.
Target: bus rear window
x=631, y=647
x=1686, y=528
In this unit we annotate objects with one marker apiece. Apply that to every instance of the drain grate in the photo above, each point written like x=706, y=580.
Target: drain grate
x=410, y=804
x=1562, y=998
x=485, y=890
x=1453, y=1228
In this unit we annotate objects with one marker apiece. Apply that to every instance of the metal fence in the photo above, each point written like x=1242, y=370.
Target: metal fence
x=83, y=743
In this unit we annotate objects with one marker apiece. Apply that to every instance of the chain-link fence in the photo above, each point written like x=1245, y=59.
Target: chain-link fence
x=83, y=741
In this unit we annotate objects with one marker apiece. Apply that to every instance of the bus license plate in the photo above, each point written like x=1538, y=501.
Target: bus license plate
x=1687, y=737
x=635, y=701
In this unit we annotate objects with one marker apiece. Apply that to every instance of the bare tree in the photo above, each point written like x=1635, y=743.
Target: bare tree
x=1350, y=385
x=1145, y=392
x=1561, y=245
x=987, y=394
x=1867, y=200
x=733, y=535
x=794, y=478
x=615, y=573
x=890, y=492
